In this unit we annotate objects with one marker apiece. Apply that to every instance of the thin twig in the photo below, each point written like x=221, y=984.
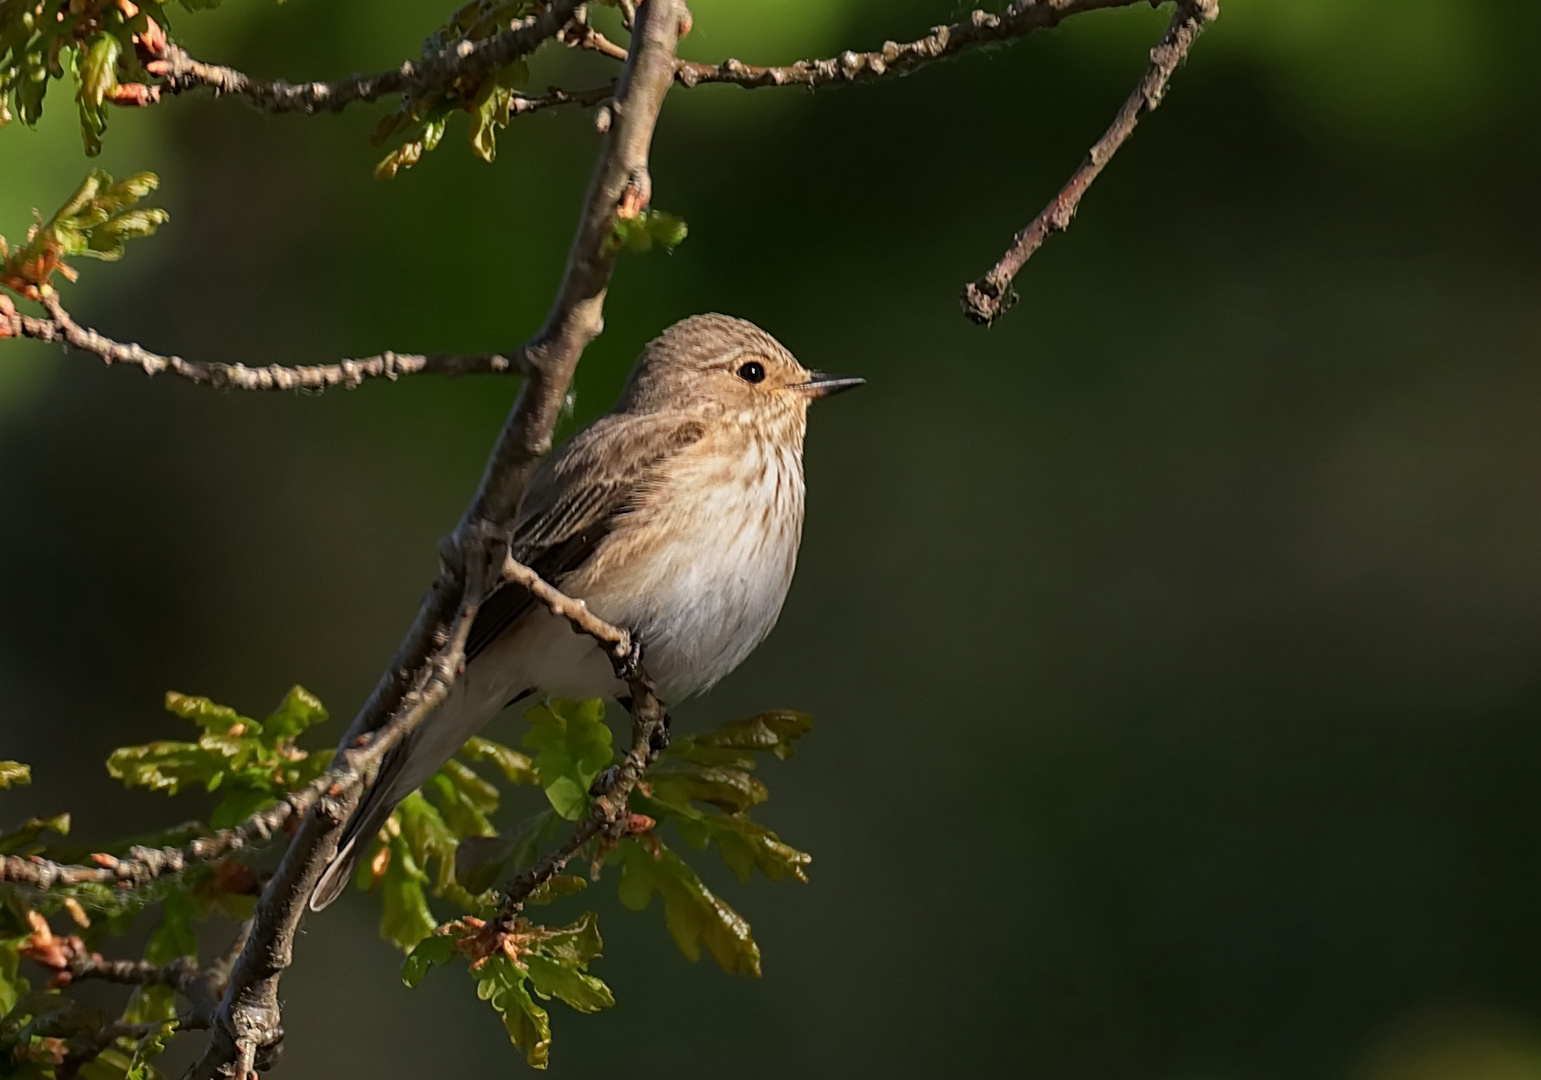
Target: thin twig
x=608, y=813
x=895, y=58
x=594, y=95
x=986, y=299
x=980, y=28
x=469, y=60
x=60, y=326
x=607, y=818
x=615, y=640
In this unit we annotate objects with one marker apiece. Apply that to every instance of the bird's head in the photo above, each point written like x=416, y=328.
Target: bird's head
x=727, y=366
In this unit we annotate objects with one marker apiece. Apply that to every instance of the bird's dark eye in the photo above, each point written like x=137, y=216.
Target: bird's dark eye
x=753, y=371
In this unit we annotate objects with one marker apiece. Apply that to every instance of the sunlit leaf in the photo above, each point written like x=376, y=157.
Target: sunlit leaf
x=405, y=918
x=432, y=951
x=517, y=767
x=573, y=745
x=463, y=798
x=216, y=719
x=299, y=711
x=14, y=774
x=502, y=985
x=695, y=915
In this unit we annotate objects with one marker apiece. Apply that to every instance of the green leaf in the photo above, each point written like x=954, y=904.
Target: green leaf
x=299, y=711
x=694, y=914
x=403, y=157
x=518, y=768
x=98, y=69
x=18, y=840
x=94, y=221
x=432, y=951
x=639, y=234
x=731, y=789
x=14, y=774
x=742, y=843
x=427, y=838
x=573, y=745
x=480, y=860
x=146, y=1049
x=405, y=918
x=575, y=944
x=463, y=798
x=240, y=802
x=214, y=719
x=665, y=228
x=174, y=937
x=775, y=731
x=12, y=985
x=166, y=766
x=556, y=887
x=501, y=984
x=577, y=988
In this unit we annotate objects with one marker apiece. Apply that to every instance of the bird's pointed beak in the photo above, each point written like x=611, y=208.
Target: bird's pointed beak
x=822, y=385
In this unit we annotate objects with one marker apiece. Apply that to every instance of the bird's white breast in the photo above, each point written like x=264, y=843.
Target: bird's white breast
x=702, y=572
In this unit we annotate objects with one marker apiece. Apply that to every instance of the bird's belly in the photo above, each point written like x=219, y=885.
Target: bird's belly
x=708, y=588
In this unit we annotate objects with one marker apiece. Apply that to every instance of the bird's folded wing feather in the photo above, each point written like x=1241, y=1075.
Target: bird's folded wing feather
x=575, y=500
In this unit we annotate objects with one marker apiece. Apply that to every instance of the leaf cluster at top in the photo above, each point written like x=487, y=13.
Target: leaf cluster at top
x=98, y=43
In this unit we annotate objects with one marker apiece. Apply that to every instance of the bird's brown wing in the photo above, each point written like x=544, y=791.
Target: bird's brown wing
x=574, y=501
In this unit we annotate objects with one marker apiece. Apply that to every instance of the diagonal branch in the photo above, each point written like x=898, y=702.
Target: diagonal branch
x=59, y=326
x=986, y=299
x=247, y=1026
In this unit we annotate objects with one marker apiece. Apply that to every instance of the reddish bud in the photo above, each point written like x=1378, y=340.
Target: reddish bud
x=151, y=45
x=134, y=95
x=638, y=823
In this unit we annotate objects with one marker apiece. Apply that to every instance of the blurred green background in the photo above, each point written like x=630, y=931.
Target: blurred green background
x=1175, y=646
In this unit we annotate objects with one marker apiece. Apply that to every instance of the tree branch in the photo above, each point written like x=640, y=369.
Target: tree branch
x=468, y=61
x=473, y=60
x=59, y=326
x=986, y=299
x=608, y=817
x=247, y=1024
x=944, y=42
x=71, y=961
x=615, y=640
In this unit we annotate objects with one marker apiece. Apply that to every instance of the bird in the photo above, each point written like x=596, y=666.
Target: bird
x=677, y=515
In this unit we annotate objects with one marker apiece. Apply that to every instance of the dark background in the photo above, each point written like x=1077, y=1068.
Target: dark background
x=1175, y=645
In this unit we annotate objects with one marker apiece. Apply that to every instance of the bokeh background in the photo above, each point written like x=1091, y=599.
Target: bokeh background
x=1175, y=646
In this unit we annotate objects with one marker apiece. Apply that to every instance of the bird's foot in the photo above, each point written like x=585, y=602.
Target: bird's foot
x=629, y=667
x=658, y=741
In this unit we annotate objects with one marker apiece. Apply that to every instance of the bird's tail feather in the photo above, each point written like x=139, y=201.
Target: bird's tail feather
x=379, y=801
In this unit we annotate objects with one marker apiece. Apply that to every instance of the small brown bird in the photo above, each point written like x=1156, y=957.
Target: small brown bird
x=678, y=516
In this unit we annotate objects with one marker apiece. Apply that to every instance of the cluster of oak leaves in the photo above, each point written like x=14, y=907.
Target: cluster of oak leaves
x=441, y=845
